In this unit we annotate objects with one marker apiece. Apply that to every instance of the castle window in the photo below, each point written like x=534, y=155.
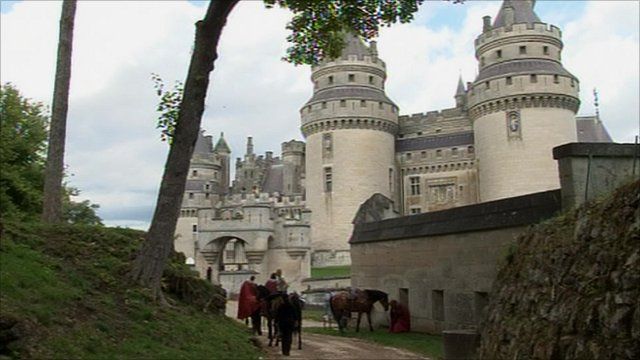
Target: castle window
x=482, y=61
x=194, y=228
x=400, y=136
x=206, y=195
x=573, y=83
x=419, y=133
x=454, y=152
x=415, y=210
x=509, y=80
x=363, y=103
x=343, y=103
x=190, y=195
x=408, y=156
x=437, y=305
x=438, y=130
x=556, y=79
x=315, y=84
x=380, y=105
x=352, y=78
x=327, y=145
x=194, y=173
x=439, y=154
x=207, y=186
x=545, y=50
x=534, y=78
x=330, y=80
x=423, y=154
x=414, y=185
x=328, y=180
x=470, y=149
x=499, y=54
x=488, y=85
x=324, y=104
x=523, y=50
x=391, y=180
x=371, y=80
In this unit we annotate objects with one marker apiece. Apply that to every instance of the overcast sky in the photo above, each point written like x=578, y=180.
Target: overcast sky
x=114, y=151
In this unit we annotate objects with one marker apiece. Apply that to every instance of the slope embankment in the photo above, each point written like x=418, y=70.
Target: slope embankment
x=571, y=289
x=64, y=295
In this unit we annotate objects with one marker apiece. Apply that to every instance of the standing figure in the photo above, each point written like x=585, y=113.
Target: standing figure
x=400, y=317
x=282, y=283
x=272, y=284
x=247, y=300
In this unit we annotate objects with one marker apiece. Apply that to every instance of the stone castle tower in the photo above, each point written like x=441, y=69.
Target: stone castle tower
x=522, y=104
x=350, y=126
x=208, y=179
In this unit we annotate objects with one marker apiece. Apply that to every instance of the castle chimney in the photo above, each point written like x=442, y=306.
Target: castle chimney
x=486, y=26
x=249, y=145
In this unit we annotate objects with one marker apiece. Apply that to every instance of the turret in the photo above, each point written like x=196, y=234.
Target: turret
x=224, y=153
x=350, y=125
x=522, y=103
x=461, y=94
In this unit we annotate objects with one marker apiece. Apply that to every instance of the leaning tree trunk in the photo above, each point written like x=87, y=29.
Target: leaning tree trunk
x=52, y=200
x=150, y=261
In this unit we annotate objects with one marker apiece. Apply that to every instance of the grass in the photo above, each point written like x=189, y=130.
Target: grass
x=331, y=271
x=66, y=288
x=428, y=345
x=312, y=314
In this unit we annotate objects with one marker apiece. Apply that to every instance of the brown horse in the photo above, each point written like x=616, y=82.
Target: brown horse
x=361, y=301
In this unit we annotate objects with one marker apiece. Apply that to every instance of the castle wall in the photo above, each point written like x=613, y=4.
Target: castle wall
x=442, y=264
x=521, y=164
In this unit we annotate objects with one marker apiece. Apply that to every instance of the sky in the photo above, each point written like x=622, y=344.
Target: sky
x=114, y=152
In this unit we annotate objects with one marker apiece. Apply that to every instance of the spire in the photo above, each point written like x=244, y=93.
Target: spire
x=596, y=104
x=222, y=146
x=516, y=12
x=461, y=90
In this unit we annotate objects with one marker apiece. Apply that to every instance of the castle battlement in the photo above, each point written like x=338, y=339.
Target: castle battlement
x=538, y=29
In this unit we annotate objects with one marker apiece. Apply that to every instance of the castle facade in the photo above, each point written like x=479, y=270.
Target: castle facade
x=296, y=211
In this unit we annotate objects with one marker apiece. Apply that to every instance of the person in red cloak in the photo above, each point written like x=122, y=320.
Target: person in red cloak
x=400, y=318
x=248, y=300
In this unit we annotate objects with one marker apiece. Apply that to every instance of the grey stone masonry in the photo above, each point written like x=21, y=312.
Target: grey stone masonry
x=589, y=170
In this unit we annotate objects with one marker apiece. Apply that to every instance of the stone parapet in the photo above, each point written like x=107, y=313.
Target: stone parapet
x=523, y=101
x=590, y=170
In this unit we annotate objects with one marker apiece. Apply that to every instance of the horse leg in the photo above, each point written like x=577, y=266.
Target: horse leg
x=270, y=326
x=358, y=324
x=300, y=335
x=369, y=320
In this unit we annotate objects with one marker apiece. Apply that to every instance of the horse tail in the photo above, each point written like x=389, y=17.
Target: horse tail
x=333, y=310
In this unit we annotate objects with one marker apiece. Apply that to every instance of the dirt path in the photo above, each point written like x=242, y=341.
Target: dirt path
x=316, y=346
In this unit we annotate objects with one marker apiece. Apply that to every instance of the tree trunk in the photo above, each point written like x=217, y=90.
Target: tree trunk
x=52, y=199
x=150, y=261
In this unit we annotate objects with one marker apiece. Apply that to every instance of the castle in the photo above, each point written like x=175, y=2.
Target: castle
x=296, y=211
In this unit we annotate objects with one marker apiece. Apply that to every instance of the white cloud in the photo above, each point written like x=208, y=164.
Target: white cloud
x=114, y=149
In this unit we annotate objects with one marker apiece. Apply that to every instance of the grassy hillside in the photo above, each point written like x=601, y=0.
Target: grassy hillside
x=64, y=295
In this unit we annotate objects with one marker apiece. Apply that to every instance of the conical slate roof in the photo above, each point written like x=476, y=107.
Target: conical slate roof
x=522, y=12
x=461, y=90
x=354, y=46
x=203, y=144
x=221, y=145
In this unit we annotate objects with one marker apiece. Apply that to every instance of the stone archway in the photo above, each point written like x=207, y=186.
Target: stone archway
x=227, y=257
